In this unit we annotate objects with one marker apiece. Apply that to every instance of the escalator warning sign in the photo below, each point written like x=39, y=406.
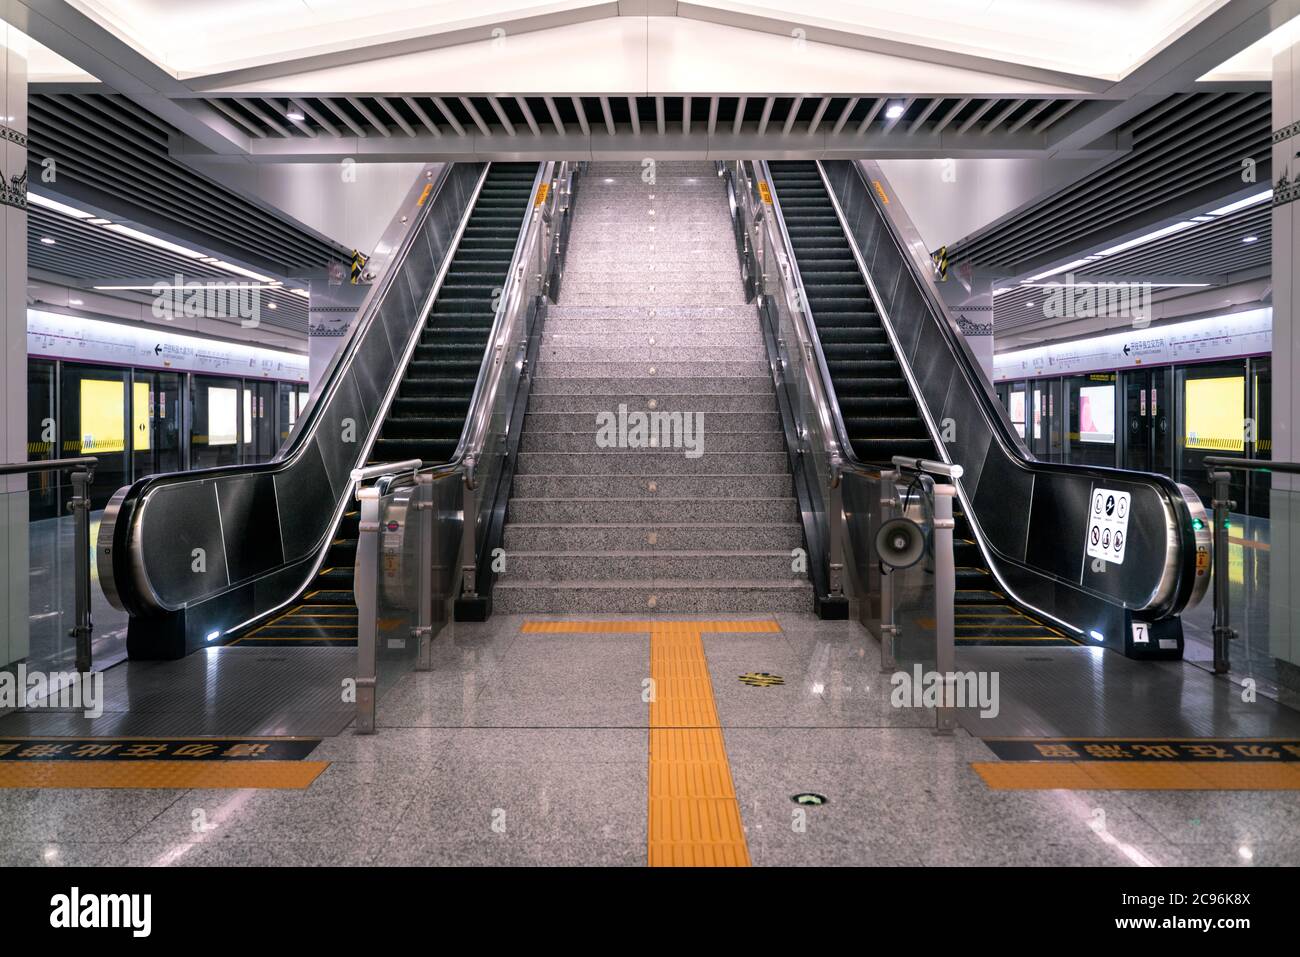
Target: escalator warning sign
x=542, y=190
x=764, y=192
x=1108, y=525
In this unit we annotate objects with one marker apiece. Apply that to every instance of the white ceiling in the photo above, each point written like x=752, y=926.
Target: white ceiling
x=1104, y=39
x=1255, y=63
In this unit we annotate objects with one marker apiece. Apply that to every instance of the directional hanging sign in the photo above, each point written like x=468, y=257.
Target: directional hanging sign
x=1108, y=525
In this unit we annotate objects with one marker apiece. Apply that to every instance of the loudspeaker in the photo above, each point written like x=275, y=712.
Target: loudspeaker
x=900, y=543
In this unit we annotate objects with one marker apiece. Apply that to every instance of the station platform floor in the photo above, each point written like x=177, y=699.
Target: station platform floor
x=763, y=740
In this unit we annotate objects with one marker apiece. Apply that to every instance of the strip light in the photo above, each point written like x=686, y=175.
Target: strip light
x=155, y=241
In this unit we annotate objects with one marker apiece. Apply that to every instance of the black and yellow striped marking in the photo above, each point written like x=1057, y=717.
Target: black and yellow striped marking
x=151, y=763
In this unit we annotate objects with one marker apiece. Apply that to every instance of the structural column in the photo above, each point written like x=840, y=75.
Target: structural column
x=1284, y=505
x=13, y=342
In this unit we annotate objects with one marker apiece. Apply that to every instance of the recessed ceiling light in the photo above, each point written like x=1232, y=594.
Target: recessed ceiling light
x=894, y=112
x=75, y=302
x=295, y=116
x=271, y=305
x=47, y=240
x=1029, y=305
x=1250, y=239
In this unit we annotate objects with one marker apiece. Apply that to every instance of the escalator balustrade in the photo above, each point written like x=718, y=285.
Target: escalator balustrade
x=880, y=414
x=427, y=415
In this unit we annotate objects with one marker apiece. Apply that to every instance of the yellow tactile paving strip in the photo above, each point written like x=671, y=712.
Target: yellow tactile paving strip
x=1138, y=776
x=160, y=774
x=694, y=819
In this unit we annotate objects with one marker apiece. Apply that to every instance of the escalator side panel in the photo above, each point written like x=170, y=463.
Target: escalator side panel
x=1000, y=483
x=175, y=609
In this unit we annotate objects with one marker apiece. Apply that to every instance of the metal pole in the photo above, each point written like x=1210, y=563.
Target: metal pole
x=945, y=593
x=423, y=631
x=468, y=552
x=888, y=627
x=367, y=595
x=1223, y=632
x=80, y=505
x=835, y=533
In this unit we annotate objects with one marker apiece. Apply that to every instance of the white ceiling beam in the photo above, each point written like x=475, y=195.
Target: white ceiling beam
x=975, y=117
x=844, y=114
x=1002, y=115
x=243, y=121
x=500, y=111
x=252, y=107
x=522, y=103
x=686, y=115
x=392, y=111
x=287, y=107
x=924, y=115
x=740, y=114
x=792, y=115
x=713, y=115
x=817, y=116
x=316, y=115
x=344, y=117
x=871, y=115
x=951, y=115
x=421, y=115
x=448, y=115
x=474, y=115
x=659, y=114
x=632, y=112
x=1028, y=116
x=373, y=120
x=767, y=115
x=582, y=115
x=891, y=123
x=609, y=116
x=555, y=114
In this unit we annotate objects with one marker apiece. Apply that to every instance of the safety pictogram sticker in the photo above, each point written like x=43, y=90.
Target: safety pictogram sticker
x=1108, y=525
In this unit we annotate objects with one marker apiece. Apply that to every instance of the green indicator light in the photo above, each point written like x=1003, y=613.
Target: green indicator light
x=1227, y=524
x=1197, y=525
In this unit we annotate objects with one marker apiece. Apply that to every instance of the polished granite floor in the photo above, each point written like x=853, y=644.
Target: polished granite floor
x=521, y=748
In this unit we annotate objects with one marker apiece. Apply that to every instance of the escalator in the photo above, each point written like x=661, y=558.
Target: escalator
x=427, y=415
x=1020, y=524
x=879, y=412
x=265, y=554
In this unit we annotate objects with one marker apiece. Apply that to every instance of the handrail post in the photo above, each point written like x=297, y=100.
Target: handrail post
x=835, y=533
x=423, y=630
x=367, y=596
x=83, y=628
x=888, y=625
x=1223, y=632
x=945, y=593
x=468, y=536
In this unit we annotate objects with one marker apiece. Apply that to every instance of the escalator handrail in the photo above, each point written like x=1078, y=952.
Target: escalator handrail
x=140, y=490
x=838, y=447
x=478, y=419
x=1168, y=592
x=479, y=416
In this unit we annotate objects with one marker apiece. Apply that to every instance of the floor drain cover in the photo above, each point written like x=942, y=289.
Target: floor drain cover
x=761, y=679
x=808, y=799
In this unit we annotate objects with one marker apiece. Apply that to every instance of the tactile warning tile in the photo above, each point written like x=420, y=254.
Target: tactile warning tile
x=1138, y=776
x=694, y=819
x=160, y=774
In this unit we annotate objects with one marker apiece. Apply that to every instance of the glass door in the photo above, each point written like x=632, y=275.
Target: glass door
x=156, y=423
x=1212, y=421
x=1090, y=402
x=214, y=414
x=42, y=435
x=93, y=421
x=259, y=438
